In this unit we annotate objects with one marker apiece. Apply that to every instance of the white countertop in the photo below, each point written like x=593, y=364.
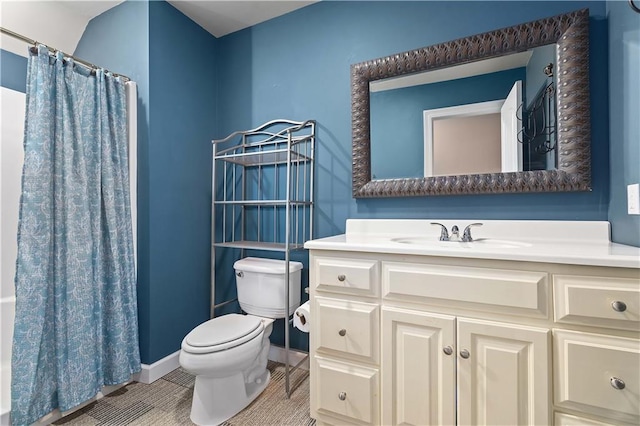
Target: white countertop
x=565, y=242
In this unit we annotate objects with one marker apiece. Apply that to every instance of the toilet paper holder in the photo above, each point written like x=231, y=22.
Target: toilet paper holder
x=303, y=320
x=302, y=317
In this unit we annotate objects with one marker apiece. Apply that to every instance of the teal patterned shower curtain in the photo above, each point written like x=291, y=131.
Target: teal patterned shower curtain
x=76, y=326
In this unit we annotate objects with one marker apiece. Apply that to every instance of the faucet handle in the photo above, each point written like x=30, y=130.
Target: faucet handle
x=444, y=234
x=466, y=235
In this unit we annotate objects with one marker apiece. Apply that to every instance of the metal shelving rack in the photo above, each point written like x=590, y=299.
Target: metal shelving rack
x=262, y=186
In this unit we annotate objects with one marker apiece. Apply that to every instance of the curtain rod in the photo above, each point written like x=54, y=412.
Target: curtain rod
x=52, y=50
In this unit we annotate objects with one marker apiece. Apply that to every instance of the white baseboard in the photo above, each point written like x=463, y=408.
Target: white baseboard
x=277, y=354
x=151, y=373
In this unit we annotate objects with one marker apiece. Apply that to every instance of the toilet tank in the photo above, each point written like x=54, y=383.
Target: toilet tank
x=261, y=286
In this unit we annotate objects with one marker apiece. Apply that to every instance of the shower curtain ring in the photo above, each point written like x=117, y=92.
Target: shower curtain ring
x=634, y=7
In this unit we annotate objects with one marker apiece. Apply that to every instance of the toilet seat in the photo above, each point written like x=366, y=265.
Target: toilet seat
x=222, y=333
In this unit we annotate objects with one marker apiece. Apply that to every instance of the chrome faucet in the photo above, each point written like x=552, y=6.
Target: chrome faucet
x=466, y=235
x=444, y=234
x=455, y=232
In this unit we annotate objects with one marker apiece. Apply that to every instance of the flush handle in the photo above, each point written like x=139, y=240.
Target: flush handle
x=448, y=350
x=240, y=274
x=342, y=396
x=342, y=277
x=619, y=306
x=617, y=383
x=342, y=332
x=464, y=354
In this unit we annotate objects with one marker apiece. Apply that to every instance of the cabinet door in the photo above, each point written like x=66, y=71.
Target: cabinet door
x=418, y=377
x=503, y=374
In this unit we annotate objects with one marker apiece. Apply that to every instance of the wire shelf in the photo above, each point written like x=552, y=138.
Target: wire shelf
x=262, y=184
x=258, y=245
x=254, y=159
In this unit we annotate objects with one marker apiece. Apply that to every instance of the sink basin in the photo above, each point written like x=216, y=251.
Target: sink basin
x=479, y=243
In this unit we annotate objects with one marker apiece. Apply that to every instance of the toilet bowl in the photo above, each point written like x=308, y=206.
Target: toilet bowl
x=228, y=356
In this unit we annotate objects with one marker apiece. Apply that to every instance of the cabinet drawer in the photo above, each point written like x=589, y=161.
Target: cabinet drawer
x=598, y=301
x=562, y=419
x=585, y=365
x=347, y=391
x=348, y=276
x=347, y=327
x=509, y=291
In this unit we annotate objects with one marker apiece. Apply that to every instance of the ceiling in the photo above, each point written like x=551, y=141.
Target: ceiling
x=42, y=20
x=88, y=9
x=217, y=17
x=224, y=17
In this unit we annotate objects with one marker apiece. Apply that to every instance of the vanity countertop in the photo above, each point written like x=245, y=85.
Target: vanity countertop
x=565, y=242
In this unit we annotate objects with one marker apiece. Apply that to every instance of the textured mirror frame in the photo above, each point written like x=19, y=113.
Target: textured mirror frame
x=570, y=33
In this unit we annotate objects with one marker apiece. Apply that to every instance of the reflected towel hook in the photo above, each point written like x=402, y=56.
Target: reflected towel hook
x=633, y=6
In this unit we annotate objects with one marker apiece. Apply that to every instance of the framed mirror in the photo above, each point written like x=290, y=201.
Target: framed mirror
x=498, y=112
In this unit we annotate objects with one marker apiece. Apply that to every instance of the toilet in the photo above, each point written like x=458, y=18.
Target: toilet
x=228, y=354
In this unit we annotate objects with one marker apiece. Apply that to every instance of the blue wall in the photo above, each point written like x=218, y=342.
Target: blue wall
x=308, y=76
x=537, y=80
x=397, y=122
x=183, y=75
x=624, y=116
x=296, y=66
x=176, y=78
x=13, y=71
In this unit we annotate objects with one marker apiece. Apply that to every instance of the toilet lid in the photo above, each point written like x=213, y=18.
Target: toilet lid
x=224, y=332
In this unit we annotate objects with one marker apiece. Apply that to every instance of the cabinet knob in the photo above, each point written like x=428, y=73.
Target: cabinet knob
x=342, y=277
x=619, y=306
x=448, y=350
x=617, y=383
x=342, y=396
x=464, y=353
x=342, y=332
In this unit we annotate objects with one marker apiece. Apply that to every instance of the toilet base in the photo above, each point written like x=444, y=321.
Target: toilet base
x=216, y=400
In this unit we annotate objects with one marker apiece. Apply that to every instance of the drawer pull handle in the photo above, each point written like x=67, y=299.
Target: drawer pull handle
x=342, y=396
x=617, y=383
x=342, y=277
x=464, y=353
x=342, y=332
x=448, y=350
x=619, y=306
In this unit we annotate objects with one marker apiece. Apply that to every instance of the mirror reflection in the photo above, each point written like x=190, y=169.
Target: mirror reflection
x=491, y=116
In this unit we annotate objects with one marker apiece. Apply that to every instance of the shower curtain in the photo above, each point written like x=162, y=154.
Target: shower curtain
x=76, y=326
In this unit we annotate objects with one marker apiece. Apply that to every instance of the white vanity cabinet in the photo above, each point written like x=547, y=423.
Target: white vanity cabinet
x=401, y=339
x=345, y=343
x=498, y=375
x=598, y=367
